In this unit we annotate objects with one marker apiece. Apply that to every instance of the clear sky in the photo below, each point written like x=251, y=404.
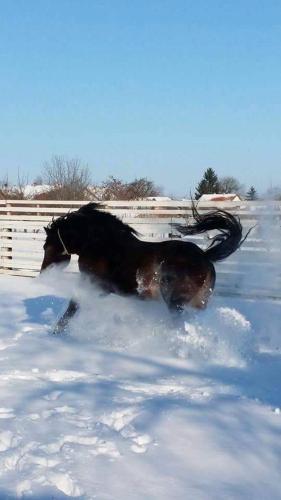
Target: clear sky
x=156, y=88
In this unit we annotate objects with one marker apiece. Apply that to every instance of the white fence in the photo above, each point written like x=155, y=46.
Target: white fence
x=253, y=271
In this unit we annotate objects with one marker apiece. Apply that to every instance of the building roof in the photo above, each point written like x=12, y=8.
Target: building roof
x=220, y=197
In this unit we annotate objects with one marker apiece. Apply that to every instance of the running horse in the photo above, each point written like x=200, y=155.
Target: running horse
x=113, y=256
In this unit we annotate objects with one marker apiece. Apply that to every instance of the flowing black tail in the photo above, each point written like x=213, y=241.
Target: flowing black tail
x=223, y=244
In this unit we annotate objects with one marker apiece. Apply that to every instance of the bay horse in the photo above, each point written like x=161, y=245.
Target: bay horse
x=113, y=256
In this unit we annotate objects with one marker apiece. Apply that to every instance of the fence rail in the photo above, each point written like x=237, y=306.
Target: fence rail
x=254, y=270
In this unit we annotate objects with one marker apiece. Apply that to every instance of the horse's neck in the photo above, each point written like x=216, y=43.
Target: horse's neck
x=114, y=245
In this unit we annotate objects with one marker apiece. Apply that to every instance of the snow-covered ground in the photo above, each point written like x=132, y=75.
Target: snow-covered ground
x=131, y=404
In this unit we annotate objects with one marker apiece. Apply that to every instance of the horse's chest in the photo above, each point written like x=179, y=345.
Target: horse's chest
x=97, y=267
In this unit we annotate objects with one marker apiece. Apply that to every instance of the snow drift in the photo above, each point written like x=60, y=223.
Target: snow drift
x=131, y=403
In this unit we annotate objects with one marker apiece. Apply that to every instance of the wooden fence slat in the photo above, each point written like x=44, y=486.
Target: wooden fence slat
x=137, y=212
x=20, y=272
x=141, y=203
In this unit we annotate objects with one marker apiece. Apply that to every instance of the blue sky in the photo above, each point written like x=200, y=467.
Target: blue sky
x=163, y=89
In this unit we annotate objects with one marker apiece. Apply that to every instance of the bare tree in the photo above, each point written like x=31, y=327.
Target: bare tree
x=230, y=184
x=38, y=181
x=69, y=179
x=143, y=188
x=19, y=188
x=4, y=187
x=13, y=192
x=273, y=193
x=115, y=189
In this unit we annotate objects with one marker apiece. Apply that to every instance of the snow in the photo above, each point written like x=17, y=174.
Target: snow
x=31, y=190
x=131, y=403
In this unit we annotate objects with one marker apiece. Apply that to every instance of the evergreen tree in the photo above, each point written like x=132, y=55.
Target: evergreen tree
x=252, y=194
x=209, y=184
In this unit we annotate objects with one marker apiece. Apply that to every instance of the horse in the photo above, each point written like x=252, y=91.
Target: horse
x=111, y=253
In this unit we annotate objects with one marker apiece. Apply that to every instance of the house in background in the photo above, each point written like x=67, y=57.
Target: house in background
x=220, y=197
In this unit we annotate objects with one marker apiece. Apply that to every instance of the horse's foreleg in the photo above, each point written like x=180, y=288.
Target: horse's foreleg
x=67, y=315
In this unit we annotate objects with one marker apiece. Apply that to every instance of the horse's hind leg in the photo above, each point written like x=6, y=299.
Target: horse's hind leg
x=173, y=292
x=180, y=289
x=175, y=298
x=67, y=315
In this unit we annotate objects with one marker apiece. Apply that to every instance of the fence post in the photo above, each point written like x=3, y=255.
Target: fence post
x=8, y=249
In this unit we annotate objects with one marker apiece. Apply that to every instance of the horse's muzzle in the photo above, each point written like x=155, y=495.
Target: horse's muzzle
x=51, y=259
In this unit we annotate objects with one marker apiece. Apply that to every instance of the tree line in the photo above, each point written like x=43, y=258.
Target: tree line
x=70, y=179
x=212, y=184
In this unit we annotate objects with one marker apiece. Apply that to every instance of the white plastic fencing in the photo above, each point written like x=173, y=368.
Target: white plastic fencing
x=253, y=271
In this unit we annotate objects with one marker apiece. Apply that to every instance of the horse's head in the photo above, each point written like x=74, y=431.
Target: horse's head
x=55, y=249
x=66, y=235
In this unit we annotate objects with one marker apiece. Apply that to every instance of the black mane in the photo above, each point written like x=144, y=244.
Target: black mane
x=92, y=219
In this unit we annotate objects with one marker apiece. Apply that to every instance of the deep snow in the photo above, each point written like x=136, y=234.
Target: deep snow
x=131, y=404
